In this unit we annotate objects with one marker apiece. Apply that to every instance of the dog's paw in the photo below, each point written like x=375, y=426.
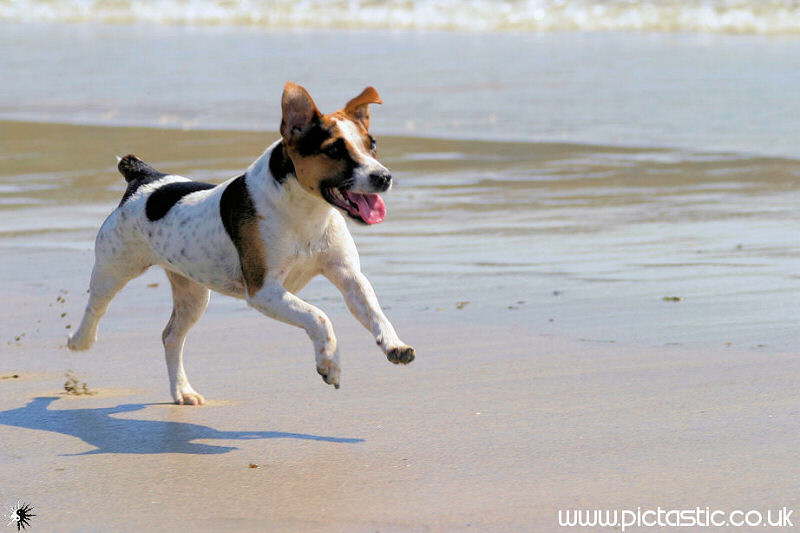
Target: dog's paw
x=189, y=397
x=402, y=355
x=329, y=370
x=77, y=342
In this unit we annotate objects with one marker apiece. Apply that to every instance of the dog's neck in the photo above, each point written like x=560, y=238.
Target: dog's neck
x=271, y=178
x=280, y=164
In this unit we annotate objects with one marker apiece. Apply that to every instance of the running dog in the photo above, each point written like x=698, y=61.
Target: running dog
x=261, y=236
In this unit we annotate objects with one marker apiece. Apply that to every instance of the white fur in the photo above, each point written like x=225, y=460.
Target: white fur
x=304, y=236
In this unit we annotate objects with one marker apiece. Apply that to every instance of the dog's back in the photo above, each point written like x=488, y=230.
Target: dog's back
x=168, y=213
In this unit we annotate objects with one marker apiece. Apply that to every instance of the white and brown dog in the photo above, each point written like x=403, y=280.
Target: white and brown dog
x=262, y=236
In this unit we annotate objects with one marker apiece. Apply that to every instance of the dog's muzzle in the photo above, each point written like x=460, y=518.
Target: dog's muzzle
x=381, y=181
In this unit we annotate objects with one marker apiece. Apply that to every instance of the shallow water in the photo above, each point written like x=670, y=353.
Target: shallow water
x=696, y=92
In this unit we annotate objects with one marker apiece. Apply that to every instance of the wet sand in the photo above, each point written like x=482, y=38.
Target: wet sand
x=565, y=381
x=578, y=241
x=492, y=428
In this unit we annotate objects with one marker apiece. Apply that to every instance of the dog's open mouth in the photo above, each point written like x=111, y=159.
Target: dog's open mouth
x=365, y=207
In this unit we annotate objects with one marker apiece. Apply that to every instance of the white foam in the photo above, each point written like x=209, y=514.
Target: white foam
x=718, y=16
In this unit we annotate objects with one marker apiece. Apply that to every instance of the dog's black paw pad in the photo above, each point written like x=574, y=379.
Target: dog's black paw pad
x=401, y=356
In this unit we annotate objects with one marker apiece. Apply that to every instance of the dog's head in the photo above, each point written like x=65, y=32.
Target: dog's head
x=334, y=156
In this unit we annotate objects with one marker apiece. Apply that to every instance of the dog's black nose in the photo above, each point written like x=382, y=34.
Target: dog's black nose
x=380, y=180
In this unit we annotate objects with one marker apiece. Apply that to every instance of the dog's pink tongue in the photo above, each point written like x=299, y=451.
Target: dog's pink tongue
x=371, y=208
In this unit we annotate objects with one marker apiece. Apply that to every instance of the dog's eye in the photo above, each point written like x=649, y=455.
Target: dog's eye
x=333, y=151
x=372, y=145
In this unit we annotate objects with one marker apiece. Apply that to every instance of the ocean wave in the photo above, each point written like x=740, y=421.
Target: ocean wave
x=705, y=16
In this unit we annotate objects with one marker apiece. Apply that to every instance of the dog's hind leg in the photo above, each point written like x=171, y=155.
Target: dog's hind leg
x=189, y=301
x=108, y=278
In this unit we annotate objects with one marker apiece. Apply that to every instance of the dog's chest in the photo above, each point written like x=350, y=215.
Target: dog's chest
x=294, y=261
x=299, y=275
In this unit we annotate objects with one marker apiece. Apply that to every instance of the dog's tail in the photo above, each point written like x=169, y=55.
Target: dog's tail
x=134, y=169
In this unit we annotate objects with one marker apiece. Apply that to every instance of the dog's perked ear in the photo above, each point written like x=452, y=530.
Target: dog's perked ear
x=358, y=107
x=299, y=111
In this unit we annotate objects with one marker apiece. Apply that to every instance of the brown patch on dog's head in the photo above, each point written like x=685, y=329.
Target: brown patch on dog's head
x=318, y=145
x=333, y=155
x=358, y=107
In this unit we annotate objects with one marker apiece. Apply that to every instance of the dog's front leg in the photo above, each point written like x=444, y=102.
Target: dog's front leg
x=363, y=303
x=276, y=302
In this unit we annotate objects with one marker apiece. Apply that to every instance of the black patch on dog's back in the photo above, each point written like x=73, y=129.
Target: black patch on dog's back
x=162, y=199
x=137, y=173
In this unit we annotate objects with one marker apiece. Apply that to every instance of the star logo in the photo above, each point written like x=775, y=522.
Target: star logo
x=20, y=514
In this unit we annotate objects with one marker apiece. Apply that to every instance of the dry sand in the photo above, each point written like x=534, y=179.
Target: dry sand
x=491, y=428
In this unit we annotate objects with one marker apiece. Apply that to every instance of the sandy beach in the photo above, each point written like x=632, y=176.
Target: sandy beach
x=591, y=242
x=492, y=428
x=504, y=418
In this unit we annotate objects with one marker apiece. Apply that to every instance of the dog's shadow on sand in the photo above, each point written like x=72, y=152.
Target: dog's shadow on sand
x=109, y=434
